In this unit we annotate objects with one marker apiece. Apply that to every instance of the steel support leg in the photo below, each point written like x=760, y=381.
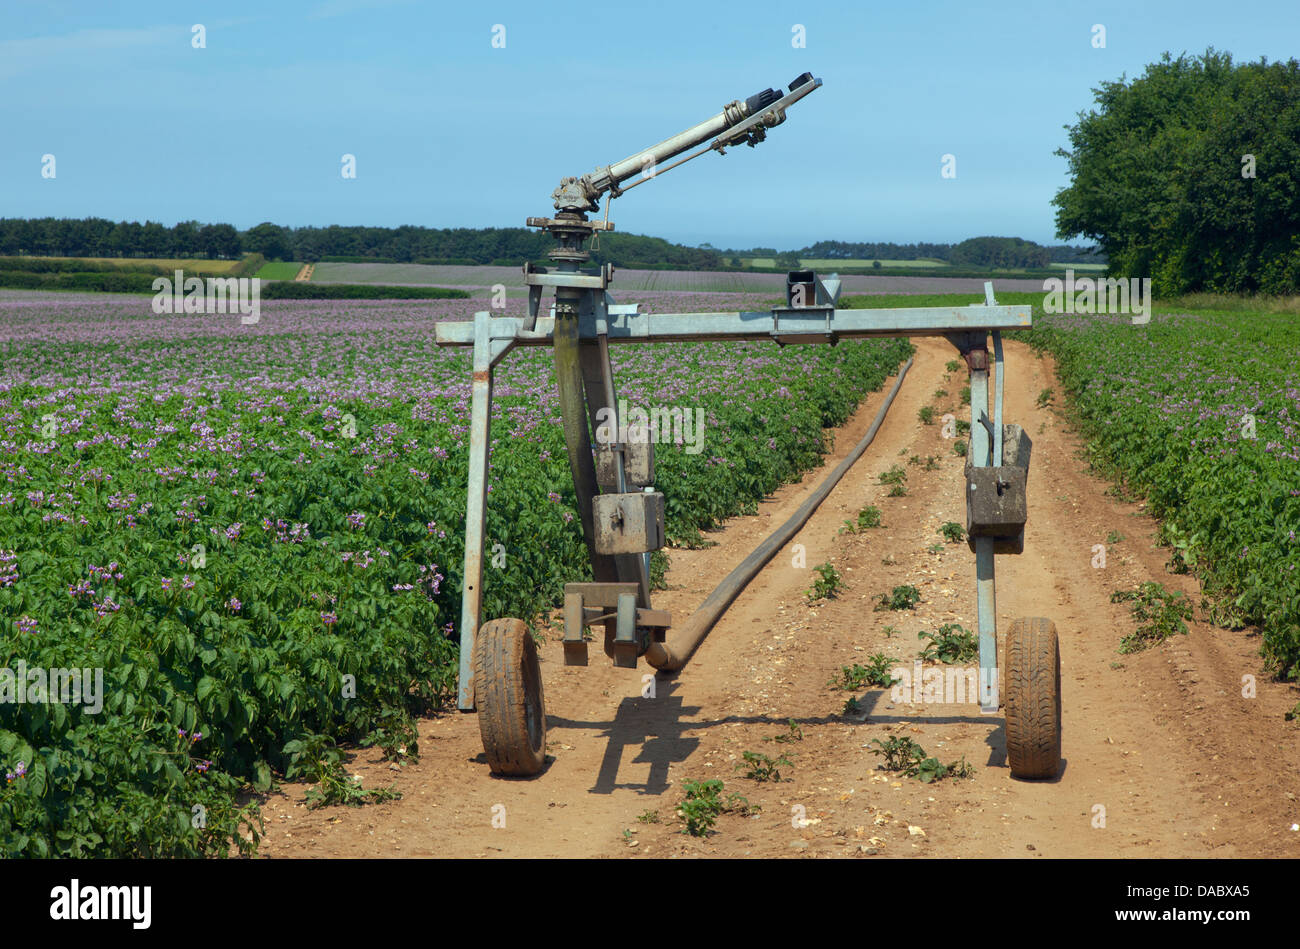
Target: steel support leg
x=573, y=410
x=598, y=381
x=480, y=419
x=981, y=449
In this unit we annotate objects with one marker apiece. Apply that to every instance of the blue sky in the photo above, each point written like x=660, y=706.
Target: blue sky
x=449, y=131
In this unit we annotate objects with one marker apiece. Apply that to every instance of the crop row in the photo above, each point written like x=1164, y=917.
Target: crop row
x=254, y=534
x=1200, y=414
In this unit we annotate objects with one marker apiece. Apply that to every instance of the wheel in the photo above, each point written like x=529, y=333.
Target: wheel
x=508, y=690
x=1033, y=698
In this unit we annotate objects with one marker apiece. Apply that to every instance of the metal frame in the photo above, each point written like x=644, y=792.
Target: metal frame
x=601, y=322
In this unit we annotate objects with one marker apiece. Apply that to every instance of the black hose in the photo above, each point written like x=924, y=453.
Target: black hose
x=687, y=638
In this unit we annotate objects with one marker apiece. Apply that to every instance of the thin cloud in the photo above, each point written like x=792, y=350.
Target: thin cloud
x=18, y=56
x=333, y=8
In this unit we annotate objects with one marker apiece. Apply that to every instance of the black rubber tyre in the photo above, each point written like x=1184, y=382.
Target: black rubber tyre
x=1033, y=698
x=508, y=693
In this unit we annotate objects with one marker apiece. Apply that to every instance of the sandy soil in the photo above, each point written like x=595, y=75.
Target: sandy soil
x=1163, y=756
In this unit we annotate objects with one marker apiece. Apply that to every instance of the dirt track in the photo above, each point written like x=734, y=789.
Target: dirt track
x=1163, y=740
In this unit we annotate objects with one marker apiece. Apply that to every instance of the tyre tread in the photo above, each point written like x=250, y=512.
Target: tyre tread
x=1033, y=698
x=504, y=657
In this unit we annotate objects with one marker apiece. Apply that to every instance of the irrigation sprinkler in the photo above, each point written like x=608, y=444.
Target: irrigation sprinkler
x=623, y=516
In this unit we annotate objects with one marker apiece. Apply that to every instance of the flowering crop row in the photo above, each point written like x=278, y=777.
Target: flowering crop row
x=256, y=532
x=1201, y=415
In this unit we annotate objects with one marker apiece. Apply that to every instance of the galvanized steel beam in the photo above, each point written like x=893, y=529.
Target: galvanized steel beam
x=700, y=327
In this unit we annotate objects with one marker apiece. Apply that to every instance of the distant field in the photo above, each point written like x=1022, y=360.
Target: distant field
x=279, y=270
x=628, y=281
x=846, y=263
x=170, y=263
x=1080, y=266
x=856, y=264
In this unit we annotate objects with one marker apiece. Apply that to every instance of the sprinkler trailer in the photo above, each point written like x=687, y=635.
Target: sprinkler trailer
x=623, y=516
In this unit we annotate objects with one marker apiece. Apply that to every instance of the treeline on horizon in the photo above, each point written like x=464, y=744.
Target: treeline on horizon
x=994, y=252
x=99, y=237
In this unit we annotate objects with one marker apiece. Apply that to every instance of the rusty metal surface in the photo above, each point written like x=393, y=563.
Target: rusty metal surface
x=597, y=381
x=638, y=465
x=1016, y=447
x=598, y=593
x=577, y=439
x=631, y=523
x=995, y=501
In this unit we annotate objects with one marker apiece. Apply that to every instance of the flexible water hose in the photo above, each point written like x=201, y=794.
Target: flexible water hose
x=671, y=657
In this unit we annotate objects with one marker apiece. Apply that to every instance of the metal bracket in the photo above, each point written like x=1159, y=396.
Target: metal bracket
x=635, y=627
x=796, y=325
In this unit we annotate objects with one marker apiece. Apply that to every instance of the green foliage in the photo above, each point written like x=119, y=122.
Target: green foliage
x=1160, y=613
x=953, y=532
x=794, y=733
x=961, y=769
x=1183, y=557
x=310, y=626
x=101, y=282
x=827, y=585
x=97, y=237
x=703, y=805
x=876, y=672
x=894, y=476
x=1044, y=398
x=906, y=756
x=761, y=767
x=952, y=643
x=926, y=415
x=900, y=754
x=279, y=270
x=953, y=365
x=900, y=598
x=1230, y=503
x=999, y=252
x=965, y=397
x=959, y=447
x=868, y=518
x=649, y=817
x=396, y=735
x=318, y=760
x=1159, y=179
